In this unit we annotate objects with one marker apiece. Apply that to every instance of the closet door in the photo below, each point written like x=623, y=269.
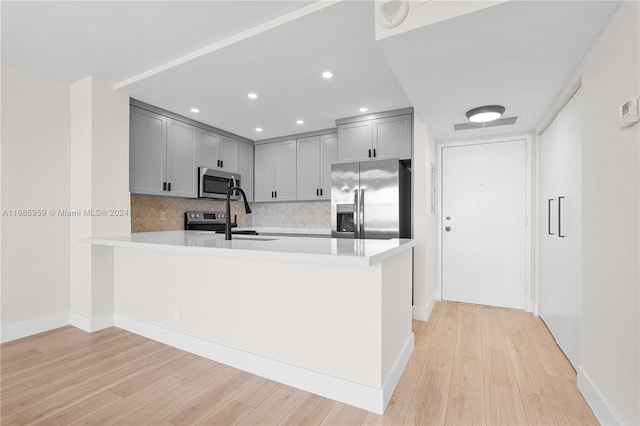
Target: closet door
x=561, y=230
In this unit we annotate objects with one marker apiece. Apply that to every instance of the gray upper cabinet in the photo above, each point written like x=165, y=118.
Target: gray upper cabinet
x=162, y=155
x=217, y=152
x=147, y=152
x=245, y=168
x=315, y=155
x=375, y=139
x=275, y=171
x=181, y=159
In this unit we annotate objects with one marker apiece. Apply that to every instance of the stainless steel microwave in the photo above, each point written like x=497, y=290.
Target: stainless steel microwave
x=214, y=183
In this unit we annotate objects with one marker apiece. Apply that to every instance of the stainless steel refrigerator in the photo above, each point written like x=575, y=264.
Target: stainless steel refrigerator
x=371, y=199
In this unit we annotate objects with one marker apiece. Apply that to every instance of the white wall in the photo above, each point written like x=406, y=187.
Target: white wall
x=424, y=223
x=35, y=175
x=610, y=336
x=100, y=183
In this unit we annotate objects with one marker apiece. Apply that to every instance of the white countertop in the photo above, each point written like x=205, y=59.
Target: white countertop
x=337, y=251
x=303, y=231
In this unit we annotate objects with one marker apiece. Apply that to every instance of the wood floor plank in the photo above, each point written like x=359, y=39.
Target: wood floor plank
x=179, y=398
x=229, y=413
x=275, y=407
x=122, y=408
x=81, y=409
x=466, y=402
x=429, y=405
x=256, y=391
x=345, y=415
x=373, y=419
x=312, y=410
x=503, y=404
x=213, y=397
x=575, y=407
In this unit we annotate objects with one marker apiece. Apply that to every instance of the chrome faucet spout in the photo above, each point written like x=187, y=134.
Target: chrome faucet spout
x=227, y=222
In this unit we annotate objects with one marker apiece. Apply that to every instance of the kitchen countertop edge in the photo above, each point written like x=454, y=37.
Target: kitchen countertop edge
x=258, y=254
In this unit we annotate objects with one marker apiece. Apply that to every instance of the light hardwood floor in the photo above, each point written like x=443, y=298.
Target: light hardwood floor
x=471, y=365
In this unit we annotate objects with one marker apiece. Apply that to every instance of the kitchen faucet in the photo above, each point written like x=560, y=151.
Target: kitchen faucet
x=247, y=209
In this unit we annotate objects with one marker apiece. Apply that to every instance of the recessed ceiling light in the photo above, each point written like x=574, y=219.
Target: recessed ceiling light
x=252, y=96
x=485, y=113
x=258, y=129
x=299, y=122
x=327, y=74
x=196, y=110
x=364, y=109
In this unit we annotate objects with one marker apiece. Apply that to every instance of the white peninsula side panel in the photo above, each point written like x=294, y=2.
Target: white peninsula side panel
x=339, y=331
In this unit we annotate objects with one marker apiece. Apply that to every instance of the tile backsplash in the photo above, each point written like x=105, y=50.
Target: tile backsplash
x=299, y=214
x=146, y=213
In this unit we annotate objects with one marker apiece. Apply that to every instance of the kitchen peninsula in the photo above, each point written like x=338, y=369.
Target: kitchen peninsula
x=329, y=316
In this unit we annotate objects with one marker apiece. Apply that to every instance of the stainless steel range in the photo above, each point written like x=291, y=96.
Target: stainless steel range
x=210, y=221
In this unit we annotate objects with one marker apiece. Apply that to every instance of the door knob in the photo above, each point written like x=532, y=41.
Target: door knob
x=448, y=228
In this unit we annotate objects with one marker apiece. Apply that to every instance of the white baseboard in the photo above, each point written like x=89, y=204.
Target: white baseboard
x=358, y=395
x=595, y=400
x=91, y=324
x=422, y=313
x=396, y=372
x=28, y=328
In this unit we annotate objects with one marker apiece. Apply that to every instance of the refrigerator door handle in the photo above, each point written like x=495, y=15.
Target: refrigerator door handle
x=356, y=215
x=361, y=214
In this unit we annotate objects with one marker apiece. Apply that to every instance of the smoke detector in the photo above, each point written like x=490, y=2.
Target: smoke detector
x=391, y=13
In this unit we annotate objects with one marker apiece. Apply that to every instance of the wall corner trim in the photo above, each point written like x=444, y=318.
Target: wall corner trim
x=422, y=313
x=90, y=324
x=594, y=398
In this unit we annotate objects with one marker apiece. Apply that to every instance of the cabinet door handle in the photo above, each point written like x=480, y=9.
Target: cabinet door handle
x=164, y=186
x=560, y=217
x=169, y=186
x=321, y=192
x=276, y=192
x=374, y=153
x=549, y=216
x=317, y=192
x=369, y=153
x=222, y=163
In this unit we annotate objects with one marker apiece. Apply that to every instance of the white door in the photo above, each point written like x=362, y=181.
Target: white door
x=484, y=223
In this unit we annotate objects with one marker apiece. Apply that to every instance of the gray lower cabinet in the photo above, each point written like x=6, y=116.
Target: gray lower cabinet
x=162, y=155
x=217, y=151
x=315, y=155
x=375, y=139
x=245, y=168
x=275, y=171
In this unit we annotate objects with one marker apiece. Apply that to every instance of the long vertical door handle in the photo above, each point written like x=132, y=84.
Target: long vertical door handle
x=362, y=214
x=560, y=217
x=549, y=216
x=356, y=215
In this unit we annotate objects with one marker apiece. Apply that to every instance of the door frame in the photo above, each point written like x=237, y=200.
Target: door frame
x=529, y=297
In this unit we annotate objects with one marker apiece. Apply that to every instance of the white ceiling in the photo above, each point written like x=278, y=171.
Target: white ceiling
x=518, y=54
x=445, y=68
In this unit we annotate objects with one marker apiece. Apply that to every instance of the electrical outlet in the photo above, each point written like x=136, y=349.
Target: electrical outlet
x=177, y=313
x=163, y=215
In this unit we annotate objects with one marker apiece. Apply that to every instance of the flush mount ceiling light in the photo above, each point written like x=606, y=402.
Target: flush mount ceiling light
x=485, y=113
x=299, y=121
x=258, y=129
x=252, y=96
x=327, y=74
x=364, y=109
x=195, y=110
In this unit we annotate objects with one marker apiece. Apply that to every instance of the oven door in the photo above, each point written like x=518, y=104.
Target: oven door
x=215, y=184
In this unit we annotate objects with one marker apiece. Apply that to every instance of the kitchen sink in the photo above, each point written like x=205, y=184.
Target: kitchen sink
x=253, y=239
